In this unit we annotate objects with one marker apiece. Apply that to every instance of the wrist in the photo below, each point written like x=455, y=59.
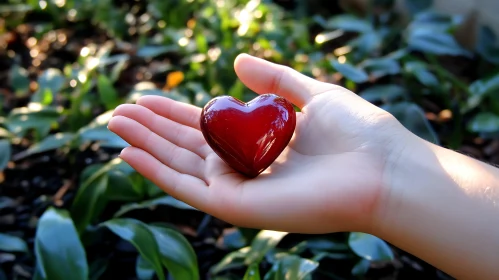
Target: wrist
x=439, y=205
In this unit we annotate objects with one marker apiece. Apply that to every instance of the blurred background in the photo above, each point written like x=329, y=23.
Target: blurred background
x=70, y=209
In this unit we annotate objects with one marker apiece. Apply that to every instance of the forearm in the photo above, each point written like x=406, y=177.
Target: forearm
x=444, y=208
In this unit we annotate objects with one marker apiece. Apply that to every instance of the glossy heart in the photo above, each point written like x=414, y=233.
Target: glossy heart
x=248, y=136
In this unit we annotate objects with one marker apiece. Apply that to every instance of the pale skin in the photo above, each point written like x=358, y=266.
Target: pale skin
x=350, y=166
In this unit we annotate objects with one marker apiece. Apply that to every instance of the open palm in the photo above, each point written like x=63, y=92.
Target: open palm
x=327, y=179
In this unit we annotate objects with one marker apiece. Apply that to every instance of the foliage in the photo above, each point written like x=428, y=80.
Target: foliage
x=117, y=51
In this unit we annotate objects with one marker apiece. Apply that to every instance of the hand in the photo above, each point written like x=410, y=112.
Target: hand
x=328, y=179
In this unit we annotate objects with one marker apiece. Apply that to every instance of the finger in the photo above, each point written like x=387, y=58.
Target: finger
x=180, y=135
x=262, y=76
x=137, y=135
x=186, y=188
x=179, y=112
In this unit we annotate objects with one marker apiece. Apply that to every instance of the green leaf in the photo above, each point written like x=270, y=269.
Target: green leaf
x=350, y=72
x=381, y=67
x=263, y=242
x=350, y=23
x=361, y=267
x=11, y=243
x=153, y=203
x=135, y=94
x=416, y=6
x=97, y=131
x=107, y=183
x=90, y=200
x=291, y=267
x=153, y=51
x=50, y=84
x=19, y=80
x=482, y=88
x=414, y=119
x=253, y=272
x=487, y=45
x=370, y=247
x=107, y=93
x=427, y=40
x=51, y=142
x=58, y=249
x=120, y=187
x=484, y=122
x=177, y=255
x=141, y=237
x=5, y=153
x=235, y=259
x=384, y=93
x=237, y=90
x=420, y=71
x=36, y=117
x=144, y=269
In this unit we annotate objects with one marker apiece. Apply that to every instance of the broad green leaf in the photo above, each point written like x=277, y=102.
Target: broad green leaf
x=436, y=21
x=366, y=43
x=384, y=93
x=381, y=67
x=35, y=116
x=107, y=93
x=426, y=40
x=153, y=51
x=370, y=247
x=11, y=243
x=263, y=242
x=420, y=71
x=487, y=44
x=237, y=90
x=361, y=267
x=50, y=84
x=350, y=23
x=317, y=245
x=350, y=72
x=416, y=6
x=235, y=259
x=141, y=237
x=90, y=200
x=291, y=267
x=97, y=131
x=253, y=272
x=414, y=119
x=153, y=203
x=120, y=187
x=58, y=249
x=177, y=255
x=96, y=191
x=51, y=142
x=482, y=88
x=484, y=122
x=5, y=153
x=19, y=80
x=144, y=269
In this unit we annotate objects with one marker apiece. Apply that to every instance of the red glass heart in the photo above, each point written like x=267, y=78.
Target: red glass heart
x=248, y=136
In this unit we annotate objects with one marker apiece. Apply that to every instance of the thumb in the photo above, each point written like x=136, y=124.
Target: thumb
x=263, y=76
